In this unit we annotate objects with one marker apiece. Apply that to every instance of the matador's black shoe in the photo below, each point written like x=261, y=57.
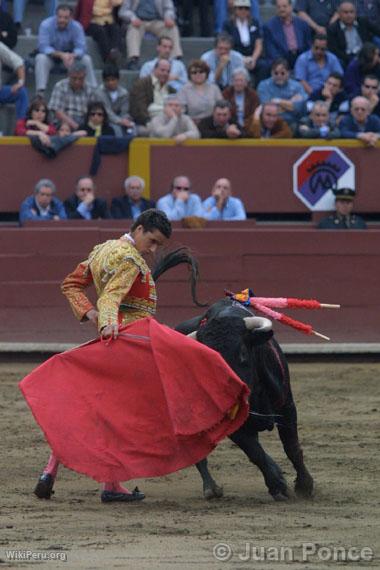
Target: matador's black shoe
x=114, y=496
x=44, y=487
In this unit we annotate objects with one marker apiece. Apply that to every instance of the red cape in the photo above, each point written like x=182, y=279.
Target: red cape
x=147, y=404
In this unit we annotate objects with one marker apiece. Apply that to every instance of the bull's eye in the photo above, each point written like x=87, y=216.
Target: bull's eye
x=243, y=354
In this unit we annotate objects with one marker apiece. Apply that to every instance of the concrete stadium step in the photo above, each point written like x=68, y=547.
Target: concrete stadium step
x=192, y=48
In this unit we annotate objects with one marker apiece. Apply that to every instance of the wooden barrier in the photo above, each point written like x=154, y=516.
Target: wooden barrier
x=260, y=171
x=333, y=266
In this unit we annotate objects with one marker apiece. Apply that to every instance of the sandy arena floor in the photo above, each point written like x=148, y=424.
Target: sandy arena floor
x=338, y=406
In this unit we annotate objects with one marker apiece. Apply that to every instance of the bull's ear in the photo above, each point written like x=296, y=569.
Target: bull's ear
x=193, y=335
x=259, y=324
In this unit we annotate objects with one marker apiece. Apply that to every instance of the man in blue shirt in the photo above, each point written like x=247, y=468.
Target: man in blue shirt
x=180, y=202
x=178, y=73
x=61, y=41
x=314, y=66
x=287, y=93
x=221, y=205
x=222, y=61
x=43, y=205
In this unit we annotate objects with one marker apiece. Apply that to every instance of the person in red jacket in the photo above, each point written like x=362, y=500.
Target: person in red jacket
x=98, y=21
x=36, y=122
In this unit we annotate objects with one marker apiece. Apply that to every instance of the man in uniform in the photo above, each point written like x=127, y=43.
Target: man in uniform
x=343, y=218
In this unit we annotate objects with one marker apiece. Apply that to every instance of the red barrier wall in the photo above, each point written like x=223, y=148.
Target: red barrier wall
x=338, y=267
x=261, y=171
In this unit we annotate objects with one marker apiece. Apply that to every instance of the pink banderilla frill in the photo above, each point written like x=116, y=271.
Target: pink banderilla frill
x=266, y=305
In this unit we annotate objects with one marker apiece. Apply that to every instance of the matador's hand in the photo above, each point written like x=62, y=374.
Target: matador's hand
x=92, y=316
x=110, y=331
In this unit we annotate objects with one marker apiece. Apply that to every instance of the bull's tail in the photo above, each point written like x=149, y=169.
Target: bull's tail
x=176, y=257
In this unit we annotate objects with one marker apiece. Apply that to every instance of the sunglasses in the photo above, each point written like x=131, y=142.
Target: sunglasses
x=181, y=188
x=196, y=71
x=98, y=113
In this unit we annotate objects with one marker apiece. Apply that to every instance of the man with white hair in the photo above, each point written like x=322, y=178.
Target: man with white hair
x=132, y=204
x=42, y=205
x=360, y=124
x=221, y=205
x=173, y=123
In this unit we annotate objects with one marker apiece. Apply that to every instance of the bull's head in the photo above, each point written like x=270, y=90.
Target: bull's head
x=235, y=337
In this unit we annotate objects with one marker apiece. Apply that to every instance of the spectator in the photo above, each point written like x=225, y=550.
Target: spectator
x=154, y=16
x=51, y=145
x=221, y=10
x=43, y=205
x=8, y=29
x=132, y=204
x=246, y=37
x=98, y=20
x=71, y=96
x=198, y=96
x=61, y=42
x=347, y=35
x=314, y=66
x=343, y=218
x=181, y=202
x=334, y=95
x=36, y=123
x=319, y=14
x=219, y=124
x=178, y=73
x=221, y=205
x=266, y=123
x=318, y=124
x=370, y=90
x=19, y=9
x=222, y=61
x=116, y=101
x=148, y=93
x=83, y=205
x=287, y=93
x=360, y=124
x=15, y=93
x=96, y=123
x=172, y=123
x=367, y=62
x=242, y=98
x=285, y=35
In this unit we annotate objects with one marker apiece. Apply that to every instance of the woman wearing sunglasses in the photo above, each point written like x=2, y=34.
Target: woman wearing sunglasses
x=96, y=121
x=198, y=96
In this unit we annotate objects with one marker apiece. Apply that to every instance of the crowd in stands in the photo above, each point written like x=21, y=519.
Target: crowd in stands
x=180, y=203
x=310, y=71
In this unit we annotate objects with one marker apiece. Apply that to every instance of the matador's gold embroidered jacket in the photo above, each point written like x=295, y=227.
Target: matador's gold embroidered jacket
x=123, y=282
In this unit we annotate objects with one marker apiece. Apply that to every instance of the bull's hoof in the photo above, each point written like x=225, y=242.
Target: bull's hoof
x=304, y=488
x=280, y=497
x=214, y=492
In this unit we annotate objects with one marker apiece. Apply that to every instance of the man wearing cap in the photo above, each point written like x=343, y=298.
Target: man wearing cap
x=343, y=218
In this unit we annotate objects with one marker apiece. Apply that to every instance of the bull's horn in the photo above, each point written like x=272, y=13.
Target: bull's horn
x=193, y=335
x=258, y=324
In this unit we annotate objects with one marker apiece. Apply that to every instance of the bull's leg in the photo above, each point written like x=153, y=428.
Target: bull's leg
x=287, y=429
x=211, y=489
x=273, y=477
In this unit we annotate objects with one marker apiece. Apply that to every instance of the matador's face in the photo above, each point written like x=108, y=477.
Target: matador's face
x=148, y=241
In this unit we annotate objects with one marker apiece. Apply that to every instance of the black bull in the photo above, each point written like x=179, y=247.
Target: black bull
x=258, y=360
